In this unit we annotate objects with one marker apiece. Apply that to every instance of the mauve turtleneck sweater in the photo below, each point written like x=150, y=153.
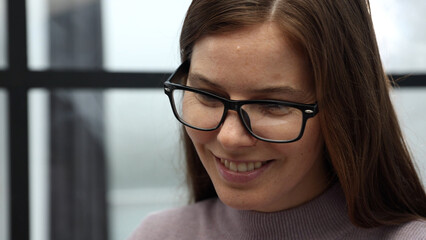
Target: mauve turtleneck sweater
x=324, y=217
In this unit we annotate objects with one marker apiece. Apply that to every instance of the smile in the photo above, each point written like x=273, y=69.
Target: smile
x=241, y=166
x=241, y=172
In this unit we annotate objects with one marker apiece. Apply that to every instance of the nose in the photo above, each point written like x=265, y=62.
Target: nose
x=232, y=134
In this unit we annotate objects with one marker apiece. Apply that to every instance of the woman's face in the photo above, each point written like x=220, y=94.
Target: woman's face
x=257, y=63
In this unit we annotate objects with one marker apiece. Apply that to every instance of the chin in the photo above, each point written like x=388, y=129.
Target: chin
x=242, y=200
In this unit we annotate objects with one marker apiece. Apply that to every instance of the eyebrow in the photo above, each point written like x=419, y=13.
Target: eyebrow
x=195, y=77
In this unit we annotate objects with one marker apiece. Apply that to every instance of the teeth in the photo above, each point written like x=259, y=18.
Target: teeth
x=233, y=166
x=257, y=164
x=226, y=163
x=250, y=166
x=241, y=167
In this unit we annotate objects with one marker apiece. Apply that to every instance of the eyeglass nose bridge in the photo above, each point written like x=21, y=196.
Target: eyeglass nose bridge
x=236, y=106
x=242, y=115
x=233, y=105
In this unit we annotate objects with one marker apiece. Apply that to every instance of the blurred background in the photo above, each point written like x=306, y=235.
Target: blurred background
x=101, y=147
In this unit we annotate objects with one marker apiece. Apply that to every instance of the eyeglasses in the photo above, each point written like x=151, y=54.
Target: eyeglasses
x=267, y=120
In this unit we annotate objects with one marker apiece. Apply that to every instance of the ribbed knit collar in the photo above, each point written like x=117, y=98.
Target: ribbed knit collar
x=324, y=217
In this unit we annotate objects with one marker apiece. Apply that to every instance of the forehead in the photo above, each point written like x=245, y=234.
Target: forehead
x=242, y=43
x=252, y=57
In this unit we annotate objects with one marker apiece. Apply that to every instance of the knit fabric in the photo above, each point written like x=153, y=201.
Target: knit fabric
x=325, y=217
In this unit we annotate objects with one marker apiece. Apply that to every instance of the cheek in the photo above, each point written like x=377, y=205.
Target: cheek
x=312, y=142
x=310, y=146
x=199, y=137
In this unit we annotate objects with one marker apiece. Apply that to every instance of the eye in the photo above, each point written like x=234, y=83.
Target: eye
x=208, y=100
x=275, y=109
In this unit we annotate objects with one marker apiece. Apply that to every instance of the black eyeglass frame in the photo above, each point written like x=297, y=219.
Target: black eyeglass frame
x=308, y=110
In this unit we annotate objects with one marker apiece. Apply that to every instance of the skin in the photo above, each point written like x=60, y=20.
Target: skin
x=258, y=62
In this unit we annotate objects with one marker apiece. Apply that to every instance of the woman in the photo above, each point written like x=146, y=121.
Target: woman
x=289, y=129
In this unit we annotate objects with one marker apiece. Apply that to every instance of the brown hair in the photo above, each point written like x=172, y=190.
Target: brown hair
x=363, y=139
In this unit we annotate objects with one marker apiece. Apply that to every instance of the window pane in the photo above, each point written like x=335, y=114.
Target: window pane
x=67, y=169
x=4, y=176
x=64, y=34
x=408, y=104
x=144, y=157
x=78, y=135
x=142, y=35
x=38, y=104
x=3, y=36
x=37, y=34
x=400, y=33
x=115, y=35
x=125, y=35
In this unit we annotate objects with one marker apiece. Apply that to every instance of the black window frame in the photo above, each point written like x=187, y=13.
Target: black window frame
x=17, y=79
